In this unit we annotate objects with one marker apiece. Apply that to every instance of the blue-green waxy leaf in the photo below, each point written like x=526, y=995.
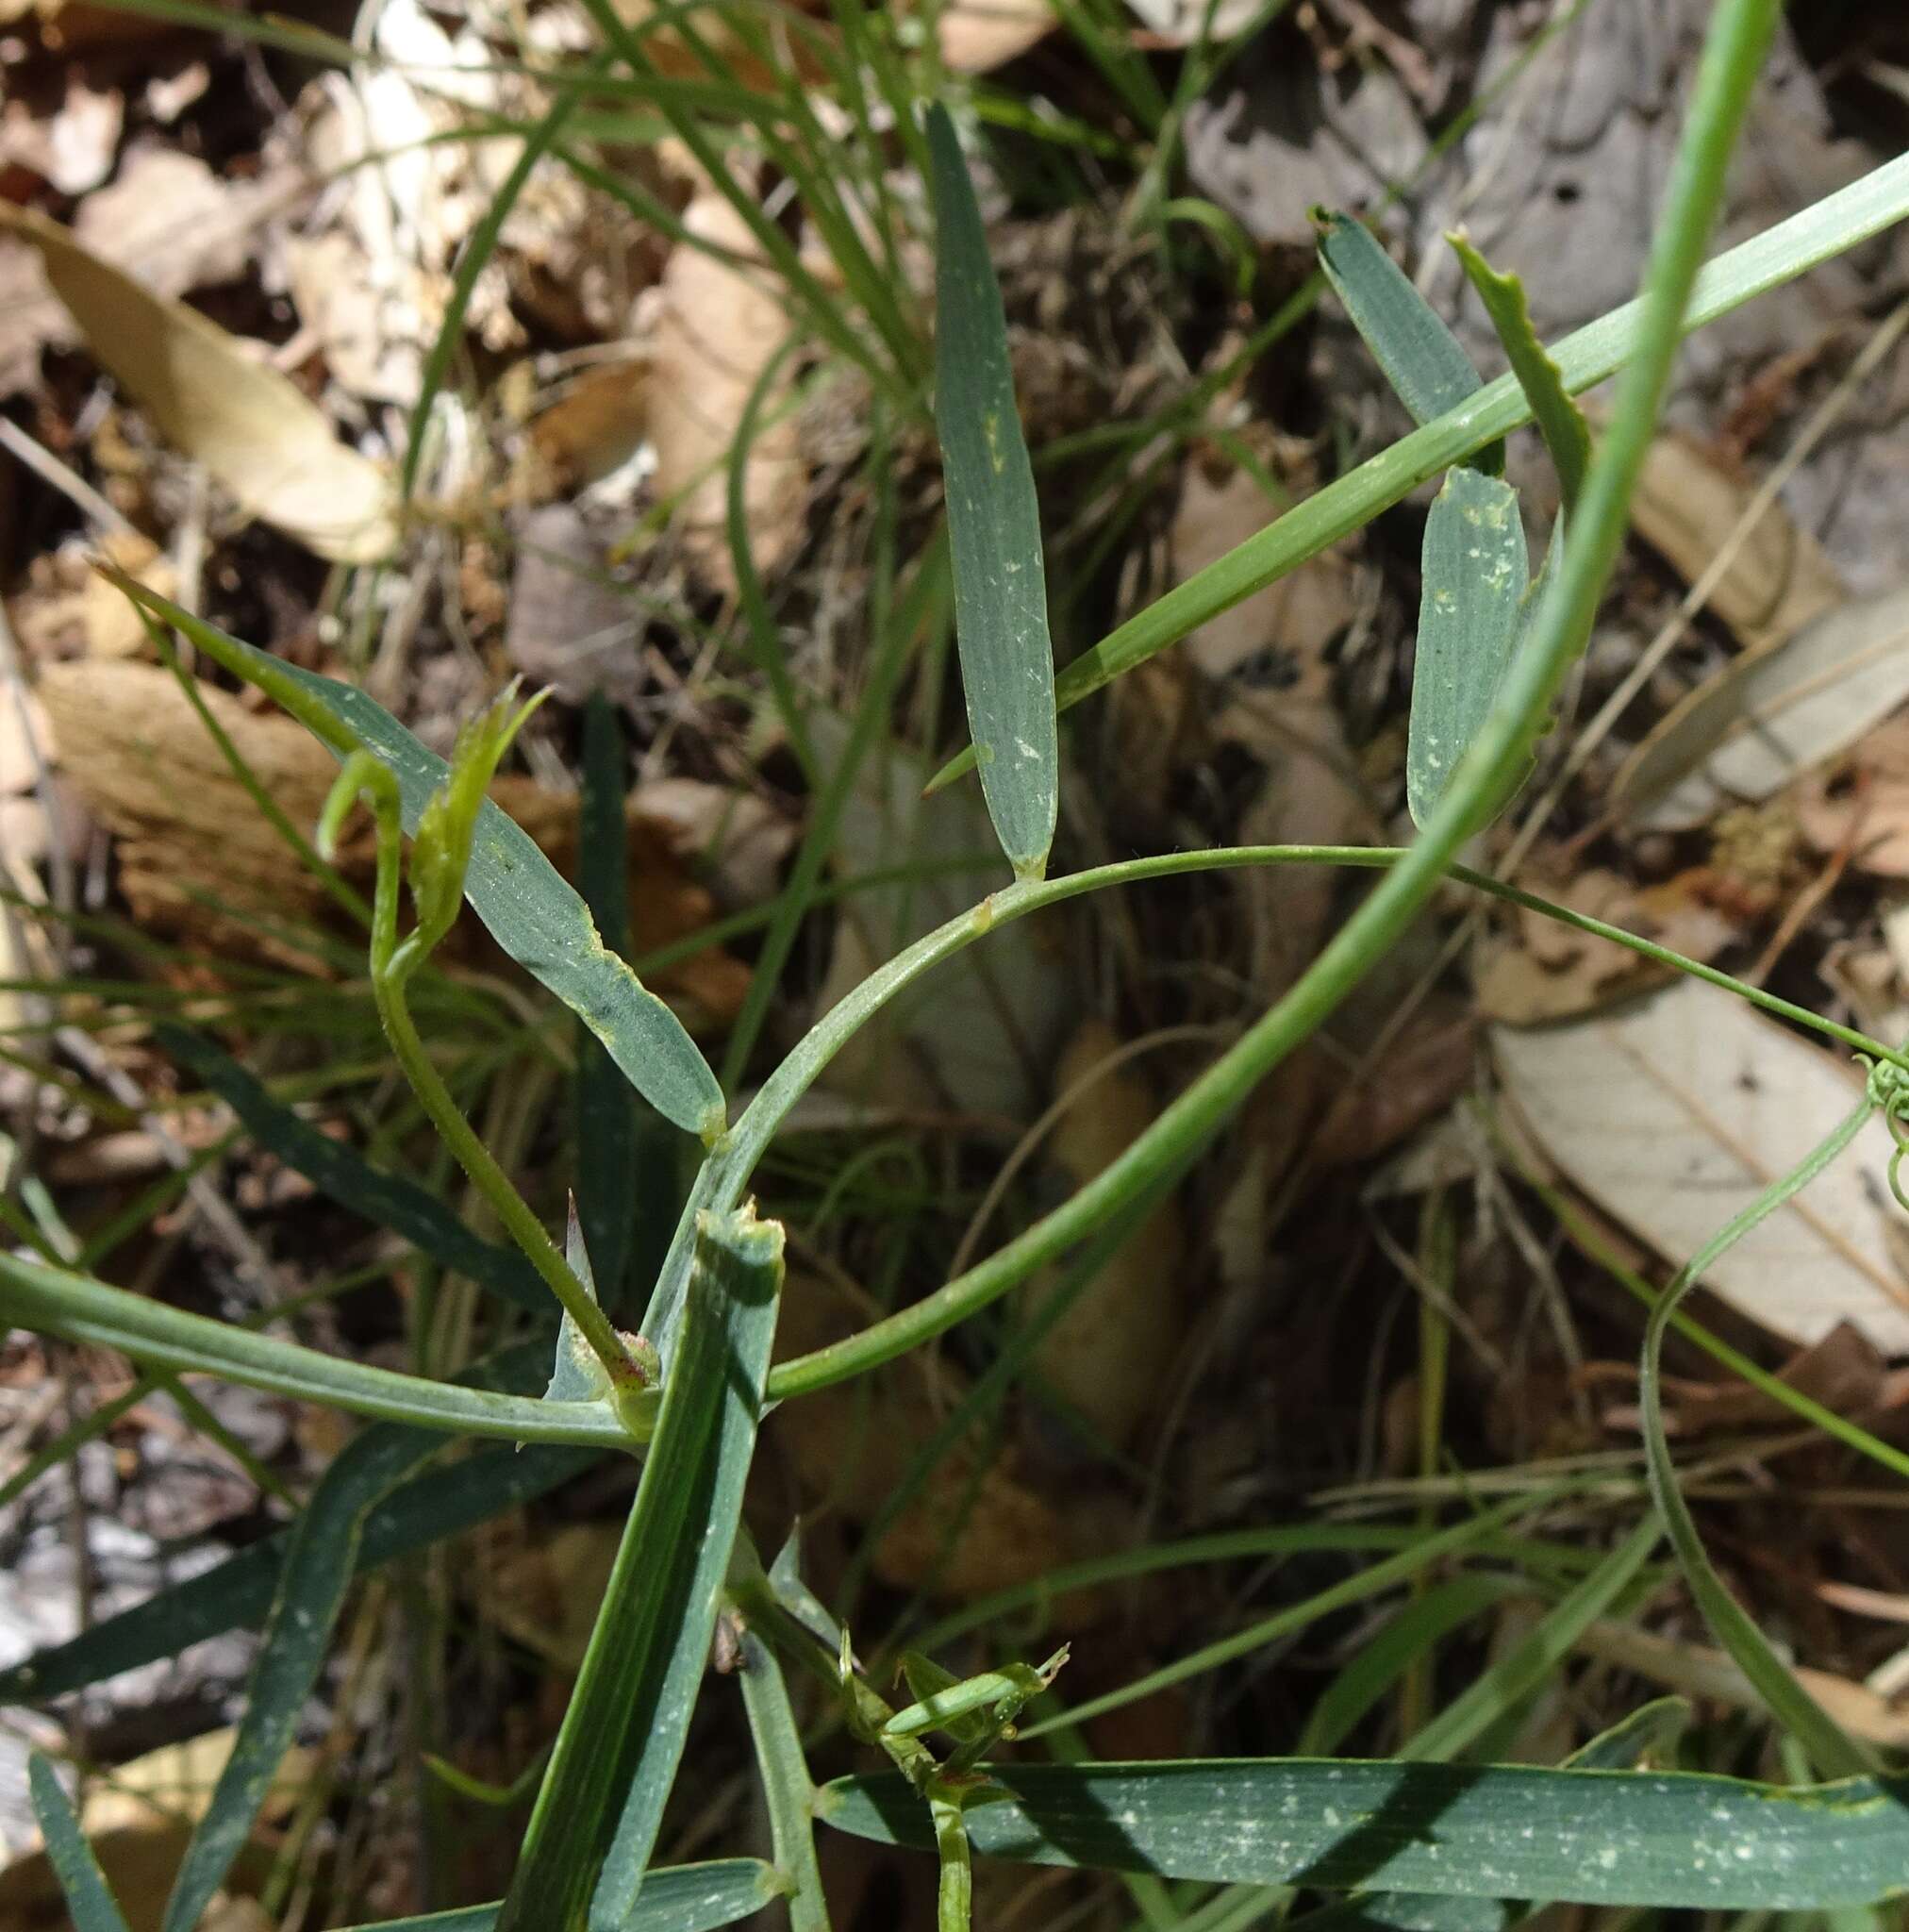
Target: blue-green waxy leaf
x=387, y=1200
x=1476, y=569
x=676, y=1898
x=993, y=526
x=1421, y=358
x=1560, y=422
x=1453, y=1831
x=601, y=1803
x=531, y=911
x=88, y=1897
x=319, y=1562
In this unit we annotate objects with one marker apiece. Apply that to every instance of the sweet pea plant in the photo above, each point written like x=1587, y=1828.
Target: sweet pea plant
x=1417, y=1840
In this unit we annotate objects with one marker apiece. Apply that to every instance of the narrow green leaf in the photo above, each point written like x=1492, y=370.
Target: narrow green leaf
x=88, y=1897
x=1468, y=1831
x=1832, y=1748
x=237, y=1593
x=1475, y=572
x=319, y=1560
x=1560, y=422
x=677, y=1898
x=530, y=910
x=606, y=1102
x=623, y=1734
x=1508, y=1682
x=1647, y=1730
x=53, y=1301
x=343, y=1174
x=1413, y=1633
x=993, y=524
x=787, y=1787
x=1423, y=360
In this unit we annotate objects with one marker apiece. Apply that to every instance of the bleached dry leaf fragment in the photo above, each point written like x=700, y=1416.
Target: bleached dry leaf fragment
x=1771, y=715
x=977, y=36
x=716, y=325
x=254, y=430
x=1677, y=1111
x=1865, y=806
x=1688, y=501
x=1109, y=1355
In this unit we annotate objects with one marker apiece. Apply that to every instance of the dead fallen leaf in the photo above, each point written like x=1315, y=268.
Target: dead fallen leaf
x=715, y=328
x=1770, y=715
x=68, y=609
x=1678, y=1111
x=1295, y=617
x=72, y=148
x=571, y=625
x=1865, y=804
x=977, y=36
x=591, y=429
x=1109, y=1355
x=733, y=841
x=1687, y=502
x=1551, y=972
x=1700, y=1672
x=252, y=429
x=1426, y=1069
x=972, y=1527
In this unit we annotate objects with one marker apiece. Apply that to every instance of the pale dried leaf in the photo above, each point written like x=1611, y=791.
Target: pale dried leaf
x=717, y=327
x=977, y=36
x=1675, y=1112
x=1109, y=1355
x=1869, y=814
x=1772, y=714
x=254, y=430
x=71, y=149
x=1688, y=501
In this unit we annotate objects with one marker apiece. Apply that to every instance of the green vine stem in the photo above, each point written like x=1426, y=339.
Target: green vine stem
x=1734, y=48
x=439, y=858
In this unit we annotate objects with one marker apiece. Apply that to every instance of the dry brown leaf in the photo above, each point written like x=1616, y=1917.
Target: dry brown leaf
x=971, y=1527
x=1425, y=1070
x=1864, y=805
x=1678, y=1111
x=1108, y=1356
x=1700, y=1672
x=68, y=609
x=977, y=36
x=1551, y=972
x=254, y=431
x=196, y=858
x=1298, y=614
x=716, y=328
x=139, y=1823
x=1772, y=714
x=1687, y=502
x=591, y=429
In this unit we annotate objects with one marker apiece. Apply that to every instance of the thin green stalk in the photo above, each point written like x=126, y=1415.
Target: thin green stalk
x=53, y=1301
x=1835, y=1753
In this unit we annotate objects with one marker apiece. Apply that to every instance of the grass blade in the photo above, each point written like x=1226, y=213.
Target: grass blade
x=605, y=1108
x=1423, y=360
x=237, y=1593
x=994, y=526
x=531, y=911
x=53, y=1301
x=319, y=1560
x=787, y=1787
x=1508, y=1682
x=339, y=1171
x=629, y=1713
x=1467, y=1831
x=88, y=1897
x=1832, y=1748
x=1476, y=570
x=1560, y=422
x=678, y=1898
